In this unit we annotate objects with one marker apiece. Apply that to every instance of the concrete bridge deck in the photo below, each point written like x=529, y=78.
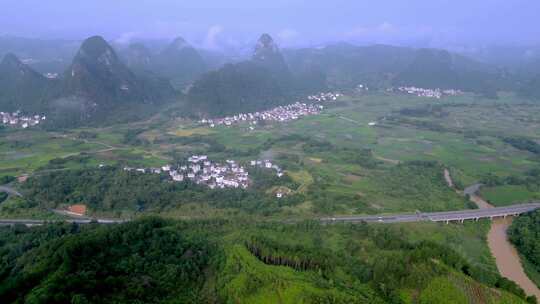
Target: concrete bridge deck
x=448, y=216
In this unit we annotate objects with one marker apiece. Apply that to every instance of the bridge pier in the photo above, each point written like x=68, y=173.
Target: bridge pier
x=462, y=220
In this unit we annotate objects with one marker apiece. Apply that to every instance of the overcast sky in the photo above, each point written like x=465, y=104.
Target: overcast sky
x=213, y=24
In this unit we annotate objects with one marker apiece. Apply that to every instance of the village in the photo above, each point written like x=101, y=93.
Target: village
x=278, y=114
x=203, y=171
x=17, y=119
x=325, y=97
x=429, y=93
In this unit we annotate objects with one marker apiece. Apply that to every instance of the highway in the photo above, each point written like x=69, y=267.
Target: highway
x=445, y=217
x=448, y=216
x=11, y=222
x=9, y=190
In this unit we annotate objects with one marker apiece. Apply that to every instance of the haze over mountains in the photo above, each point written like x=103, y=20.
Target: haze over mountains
x=138, y=77
x=261, y=82
x=21, y=86
x=95, y=85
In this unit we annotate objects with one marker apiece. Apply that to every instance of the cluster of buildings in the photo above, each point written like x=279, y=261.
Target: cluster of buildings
x=17, y=119
x=361, y=88
x=202, y=171
x=324, y=97
x=267, y=164
x=51, y=75
x=430, y=93
x=280, y=114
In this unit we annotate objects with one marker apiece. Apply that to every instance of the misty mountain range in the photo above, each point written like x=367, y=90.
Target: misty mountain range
x=88, y=83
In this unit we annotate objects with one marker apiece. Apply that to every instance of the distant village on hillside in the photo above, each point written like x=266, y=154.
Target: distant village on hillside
x=203, y=171
x=278, y=114
x=430, y=93
x=18, y=120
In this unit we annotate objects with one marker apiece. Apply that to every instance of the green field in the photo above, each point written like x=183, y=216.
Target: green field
x=335, y=164
x=462, y=133
x=509, y=194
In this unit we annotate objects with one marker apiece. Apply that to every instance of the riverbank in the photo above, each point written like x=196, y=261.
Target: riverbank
x=506, y=256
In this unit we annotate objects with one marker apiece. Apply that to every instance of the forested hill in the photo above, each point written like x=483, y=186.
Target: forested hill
x=379, y=66
x=260, y=83
x=180, y=62
x=98, y=75
x=531, y=88
x=96, y=87
x=137, y=57
x=141, y=262
x=345, y=65
x=22, y=88
x=237, y=261
x=442, y=69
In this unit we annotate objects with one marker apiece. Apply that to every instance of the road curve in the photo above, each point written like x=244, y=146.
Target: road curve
x=9, y=190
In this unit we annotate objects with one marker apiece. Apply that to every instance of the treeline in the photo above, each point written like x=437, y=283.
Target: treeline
x=530, y=179
x=522, y=143
x=392, y=265
x=6, y=179
x=113, y=189
x=525, y=235
x=425, y=111
x=420, y=124
x=146, y=261
x=297, y=257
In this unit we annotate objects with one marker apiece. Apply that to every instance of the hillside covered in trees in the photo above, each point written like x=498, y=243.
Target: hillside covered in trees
x=236, y=261
x=525, y=234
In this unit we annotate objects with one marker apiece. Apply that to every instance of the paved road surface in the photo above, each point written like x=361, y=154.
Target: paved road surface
x=473, y=214
x=8, y=222
x=9, y=190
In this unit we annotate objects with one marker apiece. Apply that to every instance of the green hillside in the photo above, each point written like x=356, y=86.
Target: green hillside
x=257, y=84
x=22, y=88
x=160, y=261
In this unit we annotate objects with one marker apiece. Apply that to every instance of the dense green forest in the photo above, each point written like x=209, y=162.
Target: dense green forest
x=223, y=261
x=522, y=143
x=113, y=189
x=530, y=179
x=140, y=262
x=525, y=234
x=237, y=88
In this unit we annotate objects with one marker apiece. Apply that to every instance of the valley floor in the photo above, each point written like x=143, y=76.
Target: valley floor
x=336, y=163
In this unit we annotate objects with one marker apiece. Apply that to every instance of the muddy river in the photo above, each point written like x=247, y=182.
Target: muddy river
x=505, y=254
x=507, y=257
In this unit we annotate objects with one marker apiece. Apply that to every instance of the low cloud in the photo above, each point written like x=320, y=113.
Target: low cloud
x=385, y=28
x=126, y=38
x=212, y=36
x=287, y=36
